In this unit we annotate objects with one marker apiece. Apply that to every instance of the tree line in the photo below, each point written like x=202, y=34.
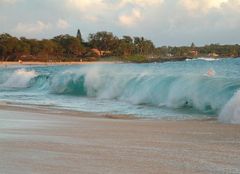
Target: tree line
x=101, y=45
x=212, y=50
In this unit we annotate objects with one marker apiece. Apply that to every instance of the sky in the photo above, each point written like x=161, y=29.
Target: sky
x=165, y=22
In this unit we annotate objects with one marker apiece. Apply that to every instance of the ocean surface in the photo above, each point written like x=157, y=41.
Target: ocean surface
x=192, y=89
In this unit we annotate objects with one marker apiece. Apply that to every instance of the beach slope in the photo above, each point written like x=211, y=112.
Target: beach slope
x=34, y=142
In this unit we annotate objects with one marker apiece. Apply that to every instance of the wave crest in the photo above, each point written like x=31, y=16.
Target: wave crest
x=206, y=94
x=215, y=95
x=231, y=111
x=20, y=79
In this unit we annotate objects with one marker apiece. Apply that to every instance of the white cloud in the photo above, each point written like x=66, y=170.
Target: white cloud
x=138, y=10
x=32, y=28
x=170, y=21
x=131, y=19
x=2, y=18
x=8, y=1
x=142, y=3
x=91, y=18
x=90, y=10
x=195, y=6
x=86, y=5
x=232, y=6
x=62, y=24
x=124, y=10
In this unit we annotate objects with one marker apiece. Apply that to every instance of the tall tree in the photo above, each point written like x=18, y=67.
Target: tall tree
x=193, y=45
x=79, y=36
x=104, y=41
x=71, y=45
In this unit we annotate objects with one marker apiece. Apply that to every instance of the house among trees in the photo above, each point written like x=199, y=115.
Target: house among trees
x=100, y=53
x=213, y=55
x=96, y=51
x=194, y=53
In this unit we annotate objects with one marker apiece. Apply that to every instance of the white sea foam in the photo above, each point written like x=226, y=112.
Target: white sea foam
x=20, y=79
x=207, y=59
x=174, y=91
x=231, y=111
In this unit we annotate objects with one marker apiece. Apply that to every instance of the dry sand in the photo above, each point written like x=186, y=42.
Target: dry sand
x=35, y=142
x=4, y=63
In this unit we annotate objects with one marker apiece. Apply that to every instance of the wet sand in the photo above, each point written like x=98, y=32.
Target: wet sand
x=35, y=141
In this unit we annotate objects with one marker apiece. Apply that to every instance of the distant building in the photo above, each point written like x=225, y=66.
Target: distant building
x=96, y=51
x=213, y=55
x=194, y=53
x=169, y=55
x=100, y=52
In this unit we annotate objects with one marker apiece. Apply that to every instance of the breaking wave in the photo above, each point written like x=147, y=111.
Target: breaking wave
x=19, y=79
x=208, y=59
x=231, y=111
x=216, y=95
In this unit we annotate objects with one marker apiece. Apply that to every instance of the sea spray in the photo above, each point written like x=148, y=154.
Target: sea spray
x=231, y=111
x=19, y=79
x=206, y=94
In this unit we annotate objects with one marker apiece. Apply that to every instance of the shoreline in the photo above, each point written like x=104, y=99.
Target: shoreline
x=7, y=106
x=38, y=142
x=11, y=63
x=43, y=109
x=158, y=60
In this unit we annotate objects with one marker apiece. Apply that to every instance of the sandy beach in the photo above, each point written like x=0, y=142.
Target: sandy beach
x=60, y=142
x=10, y=63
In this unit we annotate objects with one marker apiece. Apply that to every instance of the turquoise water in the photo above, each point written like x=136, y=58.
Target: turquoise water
x=173, y=90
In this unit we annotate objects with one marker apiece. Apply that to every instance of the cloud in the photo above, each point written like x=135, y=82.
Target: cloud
x=196, y=6
x=2, y=18
x=142, y=3
x=8, y=1
x=90, y=10
x=130, y=19
x=86, y=5
x=91, y=18
x=62, y=24
x=232, y=6
x=173, y=22
x=32, y=28
x=138, y=10
x=127, y=12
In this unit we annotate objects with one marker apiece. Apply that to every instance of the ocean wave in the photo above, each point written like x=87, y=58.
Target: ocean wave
x=203, y=93
x=208, y=59
x=19, y=79
x=215, y=95
x=231, y=111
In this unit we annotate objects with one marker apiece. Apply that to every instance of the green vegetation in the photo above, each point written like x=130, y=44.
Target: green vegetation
x=135, y=58
x=103, y=46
